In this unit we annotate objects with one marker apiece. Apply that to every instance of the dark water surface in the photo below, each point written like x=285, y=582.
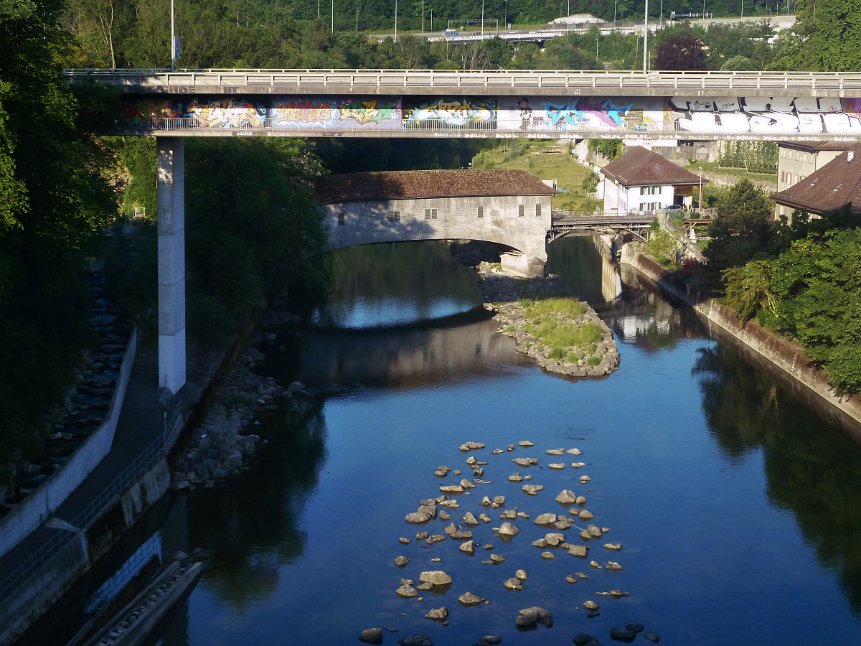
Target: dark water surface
x=738, y=509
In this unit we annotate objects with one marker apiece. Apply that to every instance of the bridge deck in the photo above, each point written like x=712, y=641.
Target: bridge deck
x=476, y=83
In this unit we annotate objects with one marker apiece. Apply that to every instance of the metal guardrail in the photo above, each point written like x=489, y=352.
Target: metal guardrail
x=107, y=497
x=481, y=82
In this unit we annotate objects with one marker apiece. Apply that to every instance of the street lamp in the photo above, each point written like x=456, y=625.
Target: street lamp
x=333, y=17
x=396, y=20
x=482, y=17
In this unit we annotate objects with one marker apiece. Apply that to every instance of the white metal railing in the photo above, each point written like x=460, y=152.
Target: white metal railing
x=52, y=548
x=482, y=82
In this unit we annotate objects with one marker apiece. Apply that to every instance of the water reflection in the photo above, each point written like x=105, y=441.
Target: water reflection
x=392, y=284
x=812, y=469
x=251, y=527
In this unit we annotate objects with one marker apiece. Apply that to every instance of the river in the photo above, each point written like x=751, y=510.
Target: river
x=736, y=507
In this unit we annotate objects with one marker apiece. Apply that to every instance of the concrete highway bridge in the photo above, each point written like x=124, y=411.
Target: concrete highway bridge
x=172, y=105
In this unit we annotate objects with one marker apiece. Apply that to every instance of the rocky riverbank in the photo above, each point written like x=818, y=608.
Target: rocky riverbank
x=222, y=445
x=563, y=336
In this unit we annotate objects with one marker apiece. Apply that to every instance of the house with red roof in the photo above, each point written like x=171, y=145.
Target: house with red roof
x=835, y=186
x=642, y=181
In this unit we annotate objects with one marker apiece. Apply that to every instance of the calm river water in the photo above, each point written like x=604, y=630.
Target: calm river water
x=737, y=508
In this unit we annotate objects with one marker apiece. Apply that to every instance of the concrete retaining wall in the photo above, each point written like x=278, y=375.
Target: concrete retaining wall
x=787, y=357
x=145, y=492
x=49, y=495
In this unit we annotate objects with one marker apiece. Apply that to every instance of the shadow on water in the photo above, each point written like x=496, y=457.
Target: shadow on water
x=812, y=469
x=251, y=526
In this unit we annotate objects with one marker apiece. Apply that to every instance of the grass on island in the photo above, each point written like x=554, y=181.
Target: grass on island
x=566, y=340
x=545, y=160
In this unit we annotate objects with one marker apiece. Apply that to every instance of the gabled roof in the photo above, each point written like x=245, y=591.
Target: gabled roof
x=830, y=188
x=816, y=146
x=641, y=167
x=426, y=184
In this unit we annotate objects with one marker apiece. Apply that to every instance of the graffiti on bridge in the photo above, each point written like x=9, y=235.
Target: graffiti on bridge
x=670, y=115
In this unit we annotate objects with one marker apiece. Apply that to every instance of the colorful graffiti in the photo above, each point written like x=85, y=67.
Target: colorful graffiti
x=764, y=115
x=671, y=115
x=580, y=113
x=329, y=112
x=449, y=113
x=226, y=113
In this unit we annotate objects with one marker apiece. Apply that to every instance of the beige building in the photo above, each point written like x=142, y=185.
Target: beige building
x=834, y=186
x=798, y=160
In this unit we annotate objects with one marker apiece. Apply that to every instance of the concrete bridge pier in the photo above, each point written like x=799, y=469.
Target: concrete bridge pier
x=170, y=196
x=523, y=265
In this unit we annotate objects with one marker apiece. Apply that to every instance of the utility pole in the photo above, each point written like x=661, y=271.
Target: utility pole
x=333, y=16
x=482, y=17
x=172, y=39
x=646, y=38
x=396, y=20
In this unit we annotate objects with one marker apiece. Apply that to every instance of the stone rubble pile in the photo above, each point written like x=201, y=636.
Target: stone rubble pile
x=221, y=446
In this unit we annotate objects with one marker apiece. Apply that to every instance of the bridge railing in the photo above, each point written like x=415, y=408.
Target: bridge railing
x=394, y=80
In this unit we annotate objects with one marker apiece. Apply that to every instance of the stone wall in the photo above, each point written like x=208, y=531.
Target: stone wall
x=358, y=223
x=786, y=358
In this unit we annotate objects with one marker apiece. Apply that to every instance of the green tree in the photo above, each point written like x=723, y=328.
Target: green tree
x=740, y=230
x=818, y=284
x=826, y=38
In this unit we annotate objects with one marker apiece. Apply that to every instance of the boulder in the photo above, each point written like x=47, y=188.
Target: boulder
x=508, y=529
x=470, y=599
x=530, y=617
x=371, y=636
x=437, y=614
x=545, y=519
x=566, y=497
x=435, y=577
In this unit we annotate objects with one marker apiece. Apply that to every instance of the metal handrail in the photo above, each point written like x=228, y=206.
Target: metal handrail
x=142, y=463
x=389, y=79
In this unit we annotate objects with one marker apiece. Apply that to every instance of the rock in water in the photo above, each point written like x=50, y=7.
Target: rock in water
x=470, y=599
x=513, y=583
x=566, y=497
x=508, y=529
x=437, y=614
x=468, y=547
x=407, y=591
x=435, y=577
x=530, y=617
x=653, y=637
x=401, y=561
x=371, y=636
x=415, y=640
x=622, y=635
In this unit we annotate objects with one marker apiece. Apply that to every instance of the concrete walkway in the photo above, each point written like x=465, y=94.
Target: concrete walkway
x=140, y=423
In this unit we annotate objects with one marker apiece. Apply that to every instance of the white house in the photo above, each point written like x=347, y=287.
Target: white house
x=641, y=181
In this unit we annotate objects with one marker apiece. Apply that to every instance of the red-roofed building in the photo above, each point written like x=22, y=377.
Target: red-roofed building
x=834, y=186
x=796, y=160
x=642, y=181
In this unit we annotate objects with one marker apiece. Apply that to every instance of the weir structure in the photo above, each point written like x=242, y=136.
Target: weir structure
x=574, y=105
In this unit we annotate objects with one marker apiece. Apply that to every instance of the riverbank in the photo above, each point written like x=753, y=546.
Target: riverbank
x=560, y=333
x=787, y=359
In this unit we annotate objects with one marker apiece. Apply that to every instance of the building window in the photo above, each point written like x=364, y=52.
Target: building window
x=521, y=210
x=650, y=190
x=481, y=211
x=393, y=216
x=538, y=210
x=340, y=218
x=430, y=214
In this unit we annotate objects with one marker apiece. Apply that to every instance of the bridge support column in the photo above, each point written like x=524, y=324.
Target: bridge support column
x=523, y=265
x=170, y=189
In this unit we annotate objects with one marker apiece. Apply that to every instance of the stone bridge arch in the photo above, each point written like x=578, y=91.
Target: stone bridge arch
x=504, y=207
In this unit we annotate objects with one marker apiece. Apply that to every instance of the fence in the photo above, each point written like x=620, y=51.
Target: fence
x=49, y=552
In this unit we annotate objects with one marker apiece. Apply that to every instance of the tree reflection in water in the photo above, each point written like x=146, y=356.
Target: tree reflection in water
x=246, y=546
x=812, y=468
